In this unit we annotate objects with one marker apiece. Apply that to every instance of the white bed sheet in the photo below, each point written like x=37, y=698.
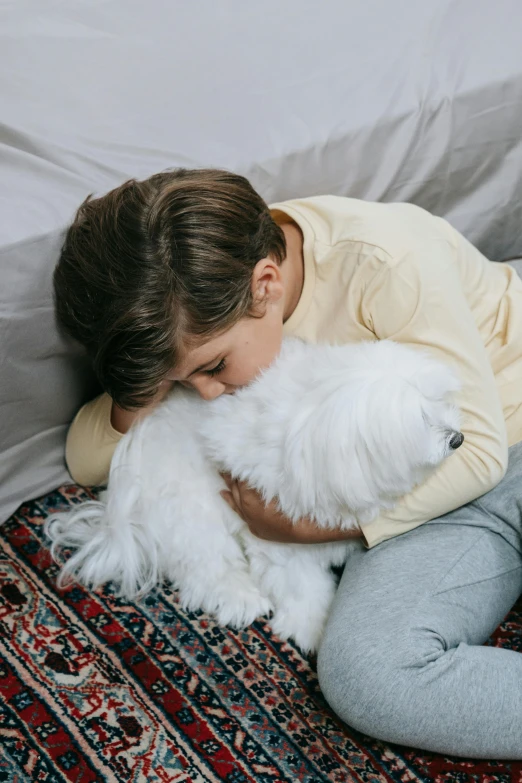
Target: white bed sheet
x=388, y=101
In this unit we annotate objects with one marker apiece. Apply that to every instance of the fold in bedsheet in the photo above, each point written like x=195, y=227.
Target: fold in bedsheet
x=388, y=101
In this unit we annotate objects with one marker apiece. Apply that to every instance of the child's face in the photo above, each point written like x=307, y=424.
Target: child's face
x=222, y=364
x=233, y=359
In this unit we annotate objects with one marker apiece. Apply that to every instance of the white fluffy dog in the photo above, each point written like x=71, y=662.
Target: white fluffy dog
x=335, y=433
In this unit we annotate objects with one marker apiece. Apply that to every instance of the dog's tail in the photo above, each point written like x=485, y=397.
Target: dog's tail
x=109, y=537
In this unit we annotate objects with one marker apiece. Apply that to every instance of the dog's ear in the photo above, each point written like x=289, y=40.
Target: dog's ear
x=323, y=457
x=435, y=380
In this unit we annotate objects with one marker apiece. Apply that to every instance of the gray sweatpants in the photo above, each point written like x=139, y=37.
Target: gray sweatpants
x=402, y=658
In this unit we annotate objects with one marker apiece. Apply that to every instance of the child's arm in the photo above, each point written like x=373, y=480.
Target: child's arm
x=419, y=300
x=121, y=419
x=91, y=441
x=269, y=523
x=94, y=434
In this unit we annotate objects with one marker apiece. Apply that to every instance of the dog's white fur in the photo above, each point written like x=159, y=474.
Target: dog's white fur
x=336, y=433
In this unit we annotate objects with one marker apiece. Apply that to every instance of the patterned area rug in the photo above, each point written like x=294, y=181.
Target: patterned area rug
x=95, y=689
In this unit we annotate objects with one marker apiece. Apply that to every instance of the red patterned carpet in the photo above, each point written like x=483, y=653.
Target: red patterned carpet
x=95, y=689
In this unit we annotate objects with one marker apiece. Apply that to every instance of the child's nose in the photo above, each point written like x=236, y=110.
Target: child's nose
x=209, y=388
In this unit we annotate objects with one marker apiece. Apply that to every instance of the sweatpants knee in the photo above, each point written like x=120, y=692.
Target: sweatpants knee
x=348, y=685
x=371, y=687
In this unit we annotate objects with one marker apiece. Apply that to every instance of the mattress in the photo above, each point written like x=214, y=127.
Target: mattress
x=402, y=101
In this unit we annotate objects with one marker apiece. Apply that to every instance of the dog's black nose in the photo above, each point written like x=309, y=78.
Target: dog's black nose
x=456, y=440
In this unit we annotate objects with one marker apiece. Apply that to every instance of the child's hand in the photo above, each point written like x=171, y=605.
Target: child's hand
x=270, y=524
x=122, y=420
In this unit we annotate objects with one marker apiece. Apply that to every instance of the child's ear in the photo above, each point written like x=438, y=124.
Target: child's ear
x=267, y=282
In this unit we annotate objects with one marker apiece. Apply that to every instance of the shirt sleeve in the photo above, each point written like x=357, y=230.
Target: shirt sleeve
x=91, y=442
x=419, y=301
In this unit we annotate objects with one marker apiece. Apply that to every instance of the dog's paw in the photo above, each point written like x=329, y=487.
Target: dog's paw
x=238, y=601
x=298, y=622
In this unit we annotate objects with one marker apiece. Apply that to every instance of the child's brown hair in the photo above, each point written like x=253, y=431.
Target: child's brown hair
x=155, y=264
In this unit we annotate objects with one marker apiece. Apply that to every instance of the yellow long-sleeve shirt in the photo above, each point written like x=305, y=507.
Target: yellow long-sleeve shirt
x=393, y=271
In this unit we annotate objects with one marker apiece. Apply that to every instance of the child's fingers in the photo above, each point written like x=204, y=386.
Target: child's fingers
x=236, y=494
x=229, y=498
x=227, y=478
x=232, y=495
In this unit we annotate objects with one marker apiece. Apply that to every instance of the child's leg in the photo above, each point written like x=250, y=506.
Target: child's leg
x=402, y=657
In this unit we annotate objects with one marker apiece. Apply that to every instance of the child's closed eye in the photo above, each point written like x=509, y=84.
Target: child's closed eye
x=217, y=369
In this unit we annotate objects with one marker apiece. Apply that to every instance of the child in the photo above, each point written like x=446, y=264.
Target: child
x=189, y=277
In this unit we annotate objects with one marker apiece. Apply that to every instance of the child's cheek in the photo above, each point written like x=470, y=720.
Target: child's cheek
x=243, y=373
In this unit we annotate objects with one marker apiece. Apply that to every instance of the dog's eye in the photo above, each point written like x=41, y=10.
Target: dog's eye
x=217, y=369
